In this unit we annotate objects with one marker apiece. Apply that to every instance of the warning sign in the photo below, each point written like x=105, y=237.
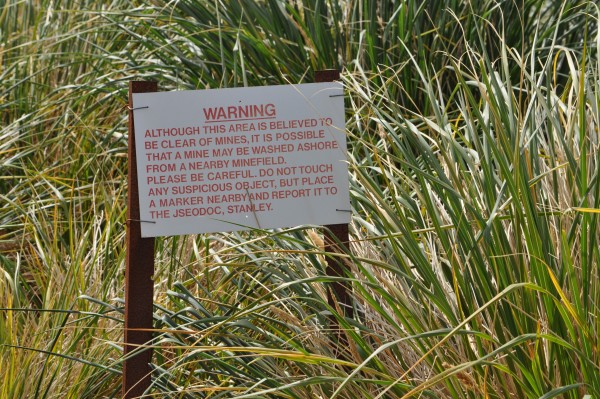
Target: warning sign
x=234, y=159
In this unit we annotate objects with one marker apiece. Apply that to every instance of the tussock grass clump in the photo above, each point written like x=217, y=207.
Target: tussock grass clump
x=61, y=198
x=473, y=155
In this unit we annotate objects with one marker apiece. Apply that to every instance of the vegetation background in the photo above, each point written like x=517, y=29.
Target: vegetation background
x=474, y=173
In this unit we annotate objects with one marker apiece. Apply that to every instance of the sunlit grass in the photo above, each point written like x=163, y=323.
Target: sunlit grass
x=473, y=157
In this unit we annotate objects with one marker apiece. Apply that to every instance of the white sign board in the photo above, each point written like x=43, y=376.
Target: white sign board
x=234, y=159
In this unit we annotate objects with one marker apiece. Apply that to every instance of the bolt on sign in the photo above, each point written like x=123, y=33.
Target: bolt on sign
x=241, y=158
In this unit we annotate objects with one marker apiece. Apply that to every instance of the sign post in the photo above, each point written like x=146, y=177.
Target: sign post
x=139, y=269
x=205, y=161
x=336, y=241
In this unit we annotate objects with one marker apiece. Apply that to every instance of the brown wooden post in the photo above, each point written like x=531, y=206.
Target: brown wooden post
x=340, y=292
x=139, y=286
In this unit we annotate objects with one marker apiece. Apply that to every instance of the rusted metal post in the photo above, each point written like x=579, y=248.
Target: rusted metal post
x=339, y=294
x=139, y=287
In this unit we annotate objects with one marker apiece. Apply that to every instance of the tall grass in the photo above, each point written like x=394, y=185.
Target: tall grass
x=473, y=151
x=61, y=185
